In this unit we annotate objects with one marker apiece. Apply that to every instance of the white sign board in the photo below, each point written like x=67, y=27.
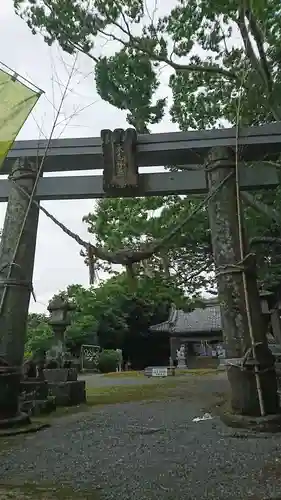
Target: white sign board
x=159, y=372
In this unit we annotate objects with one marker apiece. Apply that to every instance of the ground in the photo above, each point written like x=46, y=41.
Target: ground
x=145, y=450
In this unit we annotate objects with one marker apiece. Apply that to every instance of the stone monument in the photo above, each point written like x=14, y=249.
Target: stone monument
x=62, y=380
x=181, y=357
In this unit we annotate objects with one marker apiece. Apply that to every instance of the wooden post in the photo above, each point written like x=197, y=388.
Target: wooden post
x=16, y=270
x=226, y=249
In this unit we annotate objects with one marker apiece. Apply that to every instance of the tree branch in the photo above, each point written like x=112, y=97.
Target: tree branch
x=247, y=43
x=182, y=68
x=197, y=272
x=274, y=164
x=146, y=270
x=262, y=208
x=206, y=267
x=77, y=47
x=254, y=61
x=259, y=39
x=136, y=43
x=265, y=239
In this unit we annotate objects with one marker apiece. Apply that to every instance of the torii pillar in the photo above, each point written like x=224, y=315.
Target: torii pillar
x=251, y=395
x=17, y=253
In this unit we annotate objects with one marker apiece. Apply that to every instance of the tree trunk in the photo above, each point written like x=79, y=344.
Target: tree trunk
x=225, y=241
x=16, y=287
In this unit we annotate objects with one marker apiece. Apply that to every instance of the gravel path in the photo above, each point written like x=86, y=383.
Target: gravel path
x=151, y=451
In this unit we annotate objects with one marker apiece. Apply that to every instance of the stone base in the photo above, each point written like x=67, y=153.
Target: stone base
x=19, y=420
x=39, y=407
x=269, y=423
x=222, y=364
x=182, y=366
x=39, y=387
x=10, y=415
x=69, y=393
x=244, y=395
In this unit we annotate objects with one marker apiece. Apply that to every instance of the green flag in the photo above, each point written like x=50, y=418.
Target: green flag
x=16, y=102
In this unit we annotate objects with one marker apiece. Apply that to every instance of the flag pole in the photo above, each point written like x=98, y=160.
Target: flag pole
x=16, y=75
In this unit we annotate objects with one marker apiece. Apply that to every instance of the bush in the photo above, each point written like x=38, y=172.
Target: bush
x=108, y=361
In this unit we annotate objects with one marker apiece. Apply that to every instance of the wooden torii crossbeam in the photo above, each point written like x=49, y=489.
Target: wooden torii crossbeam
x=175, y=149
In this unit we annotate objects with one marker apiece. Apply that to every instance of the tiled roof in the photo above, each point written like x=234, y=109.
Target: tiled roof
x=197, y=321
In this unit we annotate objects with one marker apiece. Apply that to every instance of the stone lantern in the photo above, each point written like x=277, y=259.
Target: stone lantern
x=59, y=310
x=59, y=320
x=62, y=381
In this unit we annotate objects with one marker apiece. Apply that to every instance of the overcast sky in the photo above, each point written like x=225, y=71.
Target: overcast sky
x=58, y=262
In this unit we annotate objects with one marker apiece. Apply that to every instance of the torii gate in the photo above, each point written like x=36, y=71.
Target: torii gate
x=186, y=149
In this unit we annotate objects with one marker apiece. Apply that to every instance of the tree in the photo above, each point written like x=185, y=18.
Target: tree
x=109, y=312
x=111, y=315
x=214, y=51
x=131, y=222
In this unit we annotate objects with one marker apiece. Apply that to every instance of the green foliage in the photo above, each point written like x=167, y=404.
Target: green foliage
x=125, y=223
x=106, y=314
x=120, y=77
x=217, y=53
x=39, y=335
x=108, y=361
x=268, y=256
x=83, y=327
x=112, y=310
x=131, y=222
x=209, y=40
